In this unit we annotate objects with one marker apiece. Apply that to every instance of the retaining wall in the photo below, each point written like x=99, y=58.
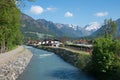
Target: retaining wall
x=13, y=63
x=76, y=58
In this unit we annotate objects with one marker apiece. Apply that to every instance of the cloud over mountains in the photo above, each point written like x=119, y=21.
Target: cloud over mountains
x=36, y=10
x=101, y=14
x=68, y=14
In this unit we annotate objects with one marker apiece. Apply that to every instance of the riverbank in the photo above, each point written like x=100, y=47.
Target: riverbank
x=13, y=63
x=78, y=59
x=46, y=65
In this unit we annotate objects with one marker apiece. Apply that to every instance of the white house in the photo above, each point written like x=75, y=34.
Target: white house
x=51, y=42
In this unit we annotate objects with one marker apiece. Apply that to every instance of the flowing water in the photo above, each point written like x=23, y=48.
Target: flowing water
x=48, y=66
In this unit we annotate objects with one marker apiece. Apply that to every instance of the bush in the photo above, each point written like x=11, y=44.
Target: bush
x=105, y=62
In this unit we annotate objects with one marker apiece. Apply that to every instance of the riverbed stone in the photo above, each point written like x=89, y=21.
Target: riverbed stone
x=14, y=67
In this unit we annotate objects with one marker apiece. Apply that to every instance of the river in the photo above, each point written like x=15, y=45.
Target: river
x=48, y=66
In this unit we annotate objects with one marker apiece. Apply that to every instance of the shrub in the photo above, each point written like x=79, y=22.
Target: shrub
x=105, y=62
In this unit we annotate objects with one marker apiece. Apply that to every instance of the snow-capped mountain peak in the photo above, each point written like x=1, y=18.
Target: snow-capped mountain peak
x=92, y=26
x=73, y=26
x=59, y=26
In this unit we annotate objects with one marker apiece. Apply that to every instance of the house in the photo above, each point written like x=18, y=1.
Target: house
x=51, y=42
x=56, y=43
x=37, y=42
x=34, y=42
x=80, y=41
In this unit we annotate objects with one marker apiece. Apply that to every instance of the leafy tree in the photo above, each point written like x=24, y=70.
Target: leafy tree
x=10, y=35
x=22, y=2
x=110, y=27
x=105, y=62
x=102, y=56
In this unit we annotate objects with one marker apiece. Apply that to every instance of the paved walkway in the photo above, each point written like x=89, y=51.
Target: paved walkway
x=73, y=50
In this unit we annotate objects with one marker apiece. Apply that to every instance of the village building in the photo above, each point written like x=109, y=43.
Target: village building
x=34, y=42
x=51, y=42
x=82, y=45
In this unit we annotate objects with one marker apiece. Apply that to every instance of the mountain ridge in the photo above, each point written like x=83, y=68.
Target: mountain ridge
x=100, y=30
x=42, y=27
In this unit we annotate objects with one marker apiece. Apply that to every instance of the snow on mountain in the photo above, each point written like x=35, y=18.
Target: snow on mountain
x=43, y=26
x=101, y=30
x=72, y=26
x=92, y=26
x=59, y=26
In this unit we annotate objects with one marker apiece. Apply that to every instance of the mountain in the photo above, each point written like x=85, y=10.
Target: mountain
x=42, y=28
x=92, y=27
x=29, y=24
x=118, y=27
x=50, y=26
x=72, y=30
x=100, y=30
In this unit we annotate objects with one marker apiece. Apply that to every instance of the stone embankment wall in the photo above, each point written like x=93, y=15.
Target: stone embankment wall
x=74, y=57
x=13, y=63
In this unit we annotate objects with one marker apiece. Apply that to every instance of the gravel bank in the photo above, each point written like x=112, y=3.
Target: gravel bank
x=13, y=63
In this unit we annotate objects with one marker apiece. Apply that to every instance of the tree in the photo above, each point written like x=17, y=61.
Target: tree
x=22, y=2
x=105, y=62
x=110, y=27
x=9, y=25
x=102, y=56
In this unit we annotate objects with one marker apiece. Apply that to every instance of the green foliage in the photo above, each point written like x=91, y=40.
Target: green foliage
x=10, y=35
x=105, y=62
x=110, y=27
x=82, y=60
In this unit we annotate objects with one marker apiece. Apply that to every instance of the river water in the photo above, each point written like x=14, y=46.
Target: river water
x=48, y=66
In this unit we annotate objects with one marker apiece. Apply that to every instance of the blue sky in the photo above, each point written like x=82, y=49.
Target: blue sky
x=78, y=12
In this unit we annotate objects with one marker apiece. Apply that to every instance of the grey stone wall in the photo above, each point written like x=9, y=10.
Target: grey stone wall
x=13, y=67
x=75, y=58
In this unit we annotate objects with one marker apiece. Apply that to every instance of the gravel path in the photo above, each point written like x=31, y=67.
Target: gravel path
x=14, y=62
x=11, y=55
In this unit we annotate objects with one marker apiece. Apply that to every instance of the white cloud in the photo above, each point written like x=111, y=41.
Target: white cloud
x=68, y=14
x=50, y=9
x=101, y=14
x=36, y=9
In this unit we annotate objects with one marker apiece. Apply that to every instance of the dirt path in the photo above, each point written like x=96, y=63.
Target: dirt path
x=77, y=51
